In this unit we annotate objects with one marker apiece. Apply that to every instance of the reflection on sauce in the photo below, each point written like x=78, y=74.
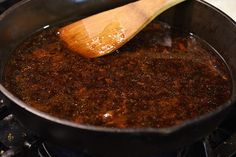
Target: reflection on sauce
x=92, y=43
x=159, y=79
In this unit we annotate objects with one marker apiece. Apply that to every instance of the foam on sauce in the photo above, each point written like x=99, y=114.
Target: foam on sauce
x=159, y=79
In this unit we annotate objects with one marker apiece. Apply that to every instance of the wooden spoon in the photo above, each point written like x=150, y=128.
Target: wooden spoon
x=105, y=32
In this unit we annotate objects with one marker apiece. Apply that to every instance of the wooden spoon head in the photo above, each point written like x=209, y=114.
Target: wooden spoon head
x=90, y=44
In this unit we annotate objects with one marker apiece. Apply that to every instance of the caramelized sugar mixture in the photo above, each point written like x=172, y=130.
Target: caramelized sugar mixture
x=159, y=79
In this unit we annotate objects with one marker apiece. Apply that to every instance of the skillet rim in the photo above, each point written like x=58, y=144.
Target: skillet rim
x=161, y=131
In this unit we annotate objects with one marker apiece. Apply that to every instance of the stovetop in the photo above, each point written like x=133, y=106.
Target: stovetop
x=16, y=141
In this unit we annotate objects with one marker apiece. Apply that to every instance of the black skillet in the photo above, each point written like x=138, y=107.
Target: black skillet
x=194, y=16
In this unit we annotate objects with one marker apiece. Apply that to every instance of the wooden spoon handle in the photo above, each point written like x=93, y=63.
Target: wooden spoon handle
x=142, y=13
x=147, y=10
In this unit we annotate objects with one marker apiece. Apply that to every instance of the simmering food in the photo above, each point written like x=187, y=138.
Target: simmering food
x=159, y=79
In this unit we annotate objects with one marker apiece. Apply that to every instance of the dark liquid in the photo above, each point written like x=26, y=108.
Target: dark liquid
x=159, y=79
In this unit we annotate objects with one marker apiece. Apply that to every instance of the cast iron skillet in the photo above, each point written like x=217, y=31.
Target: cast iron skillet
x=194, y=16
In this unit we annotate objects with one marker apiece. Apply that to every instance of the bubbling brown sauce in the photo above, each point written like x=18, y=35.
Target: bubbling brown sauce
x=159, y=79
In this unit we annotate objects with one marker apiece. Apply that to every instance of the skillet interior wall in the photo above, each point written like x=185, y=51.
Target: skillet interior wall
x=31, y=16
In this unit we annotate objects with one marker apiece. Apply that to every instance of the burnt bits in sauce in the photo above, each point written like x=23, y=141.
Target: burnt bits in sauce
x=159, y=79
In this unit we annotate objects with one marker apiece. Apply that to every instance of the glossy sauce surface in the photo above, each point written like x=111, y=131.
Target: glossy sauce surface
x=159, y=79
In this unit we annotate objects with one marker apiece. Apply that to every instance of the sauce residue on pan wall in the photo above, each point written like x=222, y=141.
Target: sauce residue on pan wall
x=159, y=79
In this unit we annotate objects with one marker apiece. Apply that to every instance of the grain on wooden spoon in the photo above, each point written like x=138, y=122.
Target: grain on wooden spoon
x=105, y=32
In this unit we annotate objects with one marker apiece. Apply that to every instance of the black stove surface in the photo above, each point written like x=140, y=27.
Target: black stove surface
x=16, y=141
